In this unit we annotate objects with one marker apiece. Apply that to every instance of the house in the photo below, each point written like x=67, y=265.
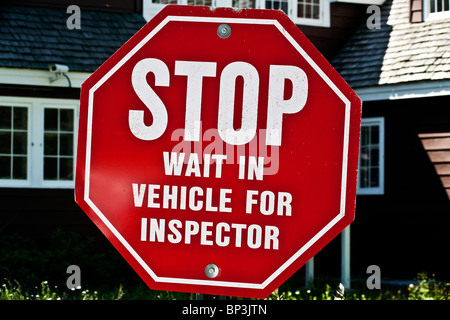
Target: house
x=401, y=71
x=39, y=108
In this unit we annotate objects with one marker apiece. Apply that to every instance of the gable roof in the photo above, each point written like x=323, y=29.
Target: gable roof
x=398, y=52
x=33, y=37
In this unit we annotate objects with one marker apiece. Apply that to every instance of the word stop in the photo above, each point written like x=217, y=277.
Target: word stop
x=195, y=71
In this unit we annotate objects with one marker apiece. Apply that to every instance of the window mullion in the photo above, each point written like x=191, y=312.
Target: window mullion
x=365, y=163
x=37, y=144
x=11, y=148
x=58, y=146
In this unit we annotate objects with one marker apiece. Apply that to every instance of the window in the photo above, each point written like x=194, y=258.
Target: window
x=436, y=9
x=37, y=142
x=277, y=5
x=58, y=143
x=304, y=12
x=243, y=4
x=371, y=157
x=13, y=142
x=312, y=12
x=199, y=2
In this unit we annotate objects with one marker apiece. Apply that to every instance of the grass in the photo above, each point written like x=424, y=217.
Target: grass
x=426, y=288
x=26, y=262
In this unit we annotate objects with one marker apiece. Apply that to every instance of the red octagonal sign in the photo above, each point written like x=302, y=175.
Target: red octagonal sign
x=218, y=151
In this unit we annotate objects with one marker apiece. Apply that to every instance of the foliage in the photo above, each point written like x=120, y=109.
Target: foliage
x=25, y=262
x=428, y=289
x=425, y=289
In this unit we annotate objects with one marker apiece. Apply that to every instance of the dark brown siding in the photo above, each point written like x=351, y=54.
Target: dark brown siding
x=36, y=213
x=406, y=230
x=345, y=18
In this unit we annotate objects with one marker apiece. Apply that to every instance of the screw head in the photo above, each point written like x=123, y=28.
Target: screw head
x=224, y=30
x=211, y=270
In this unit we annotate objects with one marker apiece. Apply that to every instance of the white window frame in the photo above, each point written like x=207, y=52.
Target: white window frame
x=35, y=155
x=150, y=9
x=376, y=121
x=431, y=16
x=324, y=11
x=19, y=182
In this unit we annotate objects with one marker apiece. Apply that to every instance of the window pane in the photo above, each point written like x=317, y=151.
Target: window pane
x=51, y=119
x=66, y=168
x=308, y=11
x=364, y=177
x=374, y=134
x=241, y=4
x=5, y=142
x=51, y=144
x=58, y=144
x=66, y=120
x=316, y=12
x=50, y=168
x=19, y=167
x=20, y=143
x=66, y=144
x=5, y=167
x=300, y=12
x=5, y=117
x=364, y=157
x=374, y=181
x=20, y=118
x=375, y=157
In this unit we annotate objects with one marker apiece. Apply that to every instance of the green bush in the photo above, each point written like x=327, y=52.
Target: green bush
x=426, y=289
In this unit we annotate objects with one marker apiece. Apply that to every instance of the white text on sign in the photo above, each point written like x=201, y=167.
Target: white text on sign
x=195, y=71
x=199, y=199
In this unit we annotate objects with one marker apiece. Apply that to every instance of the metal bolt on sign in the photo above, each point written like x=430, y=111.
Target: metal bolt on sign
x=211, y=270
x=224, y=30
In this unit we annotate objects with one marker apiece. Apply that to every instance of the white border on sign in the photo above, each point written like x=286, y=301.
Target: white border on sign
x=117, y=234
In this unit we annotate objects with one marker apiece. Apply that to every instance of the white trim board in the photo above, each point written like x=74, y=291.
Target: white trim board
x=405, y=91
x=36, y=77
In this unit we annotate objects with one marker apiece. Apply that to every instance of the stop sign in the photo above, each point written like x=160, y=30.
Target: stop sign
x=218, y=151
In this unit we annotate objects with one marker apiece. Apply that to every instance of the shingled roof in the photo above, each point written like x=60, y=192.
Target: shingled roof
x=33, y=37
x=398, y=52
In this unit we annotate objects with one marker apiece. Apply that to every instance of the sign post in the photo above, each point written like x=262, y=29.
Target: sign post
x=218, y=151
